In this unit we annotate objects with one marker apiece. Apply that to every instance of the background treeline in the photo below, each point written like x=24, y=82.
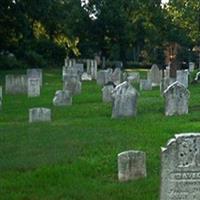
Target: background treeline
x=42, y=32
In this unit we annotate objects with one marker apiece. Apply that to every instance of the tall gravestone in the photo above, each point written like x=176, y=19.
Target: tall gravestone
x=131, y=165
x=180, y=168
x=124, y=101
x=176, y=99
x=35, y=73
x=154, y=75
x=62, y=98
x=33, y=87
x=39, y=115
x=182, y=77
x=16, y=84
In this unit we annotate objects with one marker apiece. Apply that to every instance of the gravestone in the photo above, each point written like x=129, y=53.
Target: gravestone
x=182, y=77
x=107, y=92
x=176, y=99
x=180, y=168
x=39, y=115
x=33, y=87
x=116, y=76
x=79, y=67
x=191, y=66
x=62, y=98
x=1, y=97
x=16, y=84
x=154, y=75
x=165, y=82
x=104, y=76
x=86, y=77
x=35, y=73
x=145, y=84
x=131, y=165
x=73, y=85
x=124, y=101
x=69, y=73
x=93, y=69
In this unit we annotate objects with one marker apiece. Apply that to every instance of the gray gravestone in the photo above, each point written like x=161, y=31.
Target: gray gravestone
x=107, y=92
x=62, y=98
x=104, y=76
x=33, y=87
x=182, y=77
x=180, y=168
x=145, y=84
x=69, y=72
x=16, y=84
x=117, y=76
x=131, y=165
x=35, y=73
x=73, y=85
x=39, y=115
x=79, y=67
x=154, y=75
x=191, y=66
x=124, y=101
x=165, y=82
x=176, y=99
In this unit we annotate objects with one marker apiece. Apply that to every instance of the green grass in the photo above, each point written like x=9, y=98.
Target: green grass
x=75, y=156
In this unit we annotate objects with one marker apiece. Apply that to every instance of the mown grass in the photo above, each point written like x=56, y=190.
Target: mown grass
x=75, y=156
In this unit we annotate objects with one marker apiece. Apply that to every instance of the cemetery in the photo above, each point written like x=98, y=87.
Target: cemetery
x=99, y=106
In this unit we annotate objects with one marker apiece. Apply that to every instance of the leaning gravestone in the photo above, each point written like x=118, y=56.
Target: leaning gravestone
x=176, y=99
x=182, y=77
x=107, y=92
x=145, y=84
x=39, y=115
x=180, y=168
x=1, y=97
x=62, y=98
x=124, y=100
x=16, y=84
x=35, y=73
x=131, y=165
x=154, y=75
x=33, y=87
x=73, y=85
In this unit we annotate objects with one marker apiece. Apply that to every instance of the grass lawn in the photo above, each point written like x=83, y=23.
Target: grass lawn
x=75, y=156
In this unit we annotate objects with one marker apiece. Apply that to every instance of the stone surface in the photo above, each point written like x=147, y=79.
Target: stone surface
x=35, y=73
x=180, y=168
x=145, y=84
x=73, y=85
x=182, y=77
x=117, y=76
x=69, y=72
x=16, y=84
x=39, y=115
x=131, y=165
x=124, y=101
x=154, y=75
x=79, y=67
x=191, y=66
x=176, y=99
x=107, y=92
x=33, y=87
x=86, y=77
x=92, y=68
x=104, y=76
x=165, y=82
x=62, y=98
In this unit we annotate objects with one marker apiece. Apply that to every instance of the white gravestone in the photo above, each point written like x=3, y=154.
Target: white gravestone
x=16, y=84
x=104, y=76
x=124, y=101
x=62, y=98
x=180, y=168
x=131, y=165
x=39, y=115
x=86, y=77
x=176, y=99
x=145, y=84
x=35, y=73
x=182, y=77
x=73, y=85
x=154, y=75
x=107, y=92
x=33, y=87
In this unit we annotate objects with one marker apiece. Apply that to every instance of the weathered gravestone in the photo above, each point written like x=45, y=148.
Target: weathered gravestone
x=145, y=84
x=79, y=67
x=131, y=165
x=176, y=99
x=165, y=82
x=62, y=98
x=39, y=115
x=182, y=77
x=73, y=85
x=180, y=168
x=154, y=75
x=16, y=84
x=92, y=68
x=1, y=97
x=116, y=76
x=104, y=76
x=86, y=77
x=107, y=92
x=69, y=72
x=191, y=66
x=35, y=73
x=33, y=87
x=124, y=101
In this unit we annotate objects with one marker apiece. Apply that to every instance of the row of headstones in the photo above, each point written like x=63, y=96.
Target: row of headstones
x=180, y=167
